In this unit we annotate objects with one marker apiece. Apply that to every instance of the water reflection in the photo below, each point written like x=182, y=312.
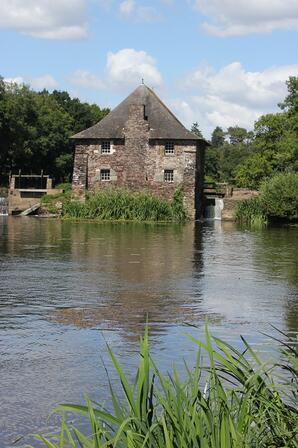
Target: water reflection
x=65, y=285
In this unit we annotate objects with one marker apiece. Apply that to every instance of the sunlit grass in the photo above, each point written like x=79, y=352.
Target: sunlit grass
x=236, y=401
x=127, y=206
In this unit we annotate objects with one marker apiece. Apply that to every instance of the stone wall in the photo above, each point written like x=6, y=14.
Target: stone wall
x=138, y=163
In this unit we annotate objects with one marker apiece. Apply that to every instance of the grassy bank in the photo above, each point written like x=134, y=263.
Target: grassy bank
x=119, y=205
x=235, y=401
x=278, y=200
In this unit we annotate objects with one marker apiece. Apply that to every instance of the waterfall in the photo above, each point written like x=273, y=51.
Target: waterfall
x=3, y=207
x=219, y=205
x=213, y=208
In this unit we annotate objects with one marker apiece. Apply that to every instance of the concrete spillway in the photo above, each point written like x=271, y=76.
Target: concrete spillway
x=214, y=208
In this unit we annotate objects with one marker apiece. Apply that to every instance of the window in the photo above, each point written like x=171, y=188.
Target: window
x=106, y=147
x=169, y=175
x=169, y=148
x=105, y=175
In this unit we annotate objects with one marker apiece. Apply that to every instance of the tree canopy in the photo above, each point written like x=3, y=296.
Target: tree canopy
x=248, y=158
x=35, y=128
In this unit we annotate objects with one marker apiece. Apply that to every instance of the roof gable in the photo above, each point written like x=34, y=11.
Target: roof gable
x=163, y=123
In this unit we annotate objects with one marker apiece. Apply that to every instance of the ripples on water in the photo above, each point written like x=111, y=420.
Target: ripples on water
x=67, y=288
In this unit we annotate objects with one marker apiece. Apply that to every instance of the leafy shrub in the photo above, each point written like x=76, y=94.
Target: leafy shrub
x=280, y=196
x=235, y=402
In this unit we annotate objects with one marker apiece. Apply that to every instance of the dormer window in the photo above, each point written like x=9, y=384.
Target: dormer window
x=106, y=147
x=169, y=148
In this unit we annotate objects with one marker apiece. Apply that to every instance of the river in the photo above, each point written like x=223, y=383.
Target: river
x=68, y=288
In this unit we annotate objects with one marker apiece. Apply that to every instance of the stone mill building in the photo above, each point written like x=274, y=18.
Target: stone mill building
x=141, y=146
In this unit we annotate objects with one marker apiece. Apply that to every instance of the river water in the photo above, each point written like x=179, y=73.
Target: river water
x=68, y=288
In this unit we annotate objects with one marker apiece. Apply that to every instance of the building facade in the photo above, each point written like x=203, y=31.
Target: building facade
x=141, y=146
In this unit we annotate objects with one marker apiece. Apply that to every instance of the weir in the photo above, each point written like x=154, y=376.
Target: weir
x=213, y=208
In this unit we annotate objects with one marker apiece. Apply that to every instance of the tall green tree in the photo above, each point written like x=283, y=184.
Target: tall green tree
x=217, y=137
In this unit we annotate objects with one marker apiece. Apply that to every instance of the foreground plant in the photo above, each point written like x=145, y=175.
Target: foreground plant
x=235, y=402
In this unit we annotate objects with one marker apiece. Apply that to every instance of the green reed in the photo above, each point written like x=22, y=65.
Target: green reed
x=127, y=206
x=250, y=212
x=237, y=401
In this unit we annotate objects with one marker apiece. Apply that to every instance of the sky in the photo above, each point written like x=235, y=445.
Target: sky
x=215, y=62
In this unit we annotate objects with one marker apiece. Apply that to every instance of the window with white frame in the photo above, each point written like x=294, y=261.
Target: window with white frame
x=105, y=175
x=106, y=147
x=169, y=148
x=169, y=175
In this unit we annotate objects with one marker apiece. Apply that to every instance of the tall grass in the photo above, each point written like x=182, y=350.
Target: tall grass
x=250, y=212
x=125, y=205
x=234, y=402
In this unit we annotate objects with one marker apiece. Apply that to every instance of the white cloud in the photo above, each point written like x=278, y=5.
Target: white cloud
x=129, y=9
x=85, y=79
x=43, y=82
x=48, y=19
x=238, y=17
x=128, y=67
x=38, y=83
x=232, y=96
x=16, y=80
x=124, y=69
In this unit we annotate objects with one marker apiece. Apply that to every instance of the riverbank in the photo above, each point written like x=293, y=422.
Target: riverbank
x=117, y=205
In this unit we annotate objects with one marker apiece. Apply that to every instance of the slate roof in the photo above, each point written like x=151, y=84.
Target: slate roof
x=163, y=123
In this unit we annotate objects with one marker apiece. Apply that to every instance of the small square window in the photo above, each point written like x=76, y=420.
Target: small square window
x=169, y=175
x=106, y=147
x=105, y=175
x=169, y=148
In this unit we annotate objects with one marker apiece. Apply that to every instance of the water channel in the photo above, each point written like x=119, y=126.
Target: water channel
x=68, y=288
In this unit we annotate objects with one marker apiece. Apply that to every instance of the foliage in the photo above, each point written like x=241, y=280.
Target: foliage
x=250, y=212
x=235, y=402
x=252, y=171
x=125, y=205
x=217, y=137
x=196, y=130
x=54, y=203
x=280, y=196
x=35, y=128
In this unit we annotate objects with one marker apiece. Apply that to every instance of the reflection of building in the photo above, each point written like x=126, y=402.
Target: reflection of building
x=141, y=145
x=137, y=270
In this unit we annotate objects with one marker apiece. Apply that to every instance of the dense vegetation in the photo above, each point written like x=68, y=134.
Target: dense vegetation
x=247, y=158
x=35, y=128
x=238, y=401
x=118, y=205
x=278, y=200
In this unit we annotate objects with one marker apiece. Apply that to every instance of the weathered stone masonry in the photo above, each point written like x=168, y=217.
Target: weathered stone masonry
x=138, y=162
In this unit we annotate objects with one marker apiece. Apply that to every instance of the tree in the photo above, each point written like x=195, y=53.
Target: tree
x=252, y=171
x=35, y=128
x=290, y=103
x=217, y=137
x=196, y=130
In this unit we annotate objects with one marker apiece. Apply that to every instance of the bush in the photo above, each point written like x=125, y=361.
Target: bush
x=250, y=212
x=280, y=196
x=235, y=402
x=125, y=205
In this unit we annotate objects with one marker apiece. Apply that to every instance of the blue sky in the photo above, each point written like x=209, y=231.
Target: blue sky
x=218, y=62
